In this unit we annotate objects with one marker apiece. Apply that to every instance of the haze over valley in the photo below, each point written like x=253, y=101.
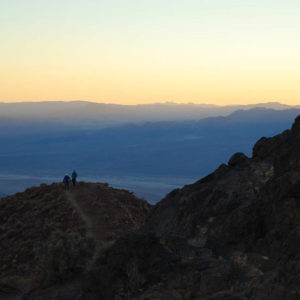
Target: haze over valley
x=137, y=150
x=28, y=117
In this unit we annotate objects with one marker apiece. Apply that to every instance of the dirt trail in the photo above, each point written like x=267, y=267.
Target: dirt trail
x=94, y=225
x=107, y=212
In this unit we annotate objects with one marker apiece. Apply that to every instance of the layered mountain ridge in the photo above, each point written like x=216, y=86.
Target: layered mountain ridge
x=40, y=117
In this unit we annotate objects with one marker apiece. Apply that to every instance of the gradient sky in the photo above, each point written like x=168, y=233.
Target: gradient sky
x=142, y=51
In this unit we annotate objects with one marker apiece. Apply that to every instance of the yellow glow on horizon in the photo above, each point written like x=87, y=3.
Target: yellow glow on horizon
x=141, y=52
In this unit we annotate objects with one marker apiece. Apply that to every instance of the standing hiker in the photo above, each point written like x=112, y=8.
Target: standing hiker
x=66, y=181
x=74, y=177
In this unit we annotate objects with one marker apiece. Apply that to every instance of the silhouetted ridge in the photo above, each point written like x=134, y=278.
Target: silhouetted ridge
x=231, y=235
x=49, y=235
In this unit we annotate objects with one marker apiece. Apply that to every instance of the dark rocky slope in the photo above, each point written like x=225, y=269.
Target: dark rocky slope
x=232, y=235
x=49, y=236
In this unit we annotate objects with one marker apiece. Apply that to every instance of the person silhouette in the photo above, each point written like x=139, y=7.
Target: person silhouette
x=74, y=177
x=66, y=181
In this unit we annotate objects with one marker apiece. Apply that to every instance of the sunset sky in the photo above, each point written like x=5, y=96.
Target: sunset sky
x=142, y=51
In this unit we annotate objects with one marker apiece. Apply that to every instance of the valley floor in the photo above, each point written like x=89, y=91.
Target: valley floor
x=152, y=188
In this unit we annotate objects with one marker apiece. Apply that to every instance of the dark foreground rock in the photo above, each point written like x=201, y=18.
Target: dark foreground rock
x=232, y=235
x=49, y=236
x=151, y=267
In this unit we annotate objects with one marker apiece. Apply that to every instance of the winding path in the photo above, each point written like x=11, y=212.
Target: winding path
x=94, y=226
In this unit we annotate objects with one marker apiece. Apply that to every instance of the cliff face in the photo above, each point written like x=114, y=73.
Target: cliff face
x=232, y=235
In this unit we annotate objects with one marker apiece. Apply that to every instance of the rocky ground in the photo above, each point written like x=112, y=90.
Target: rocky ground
x=232, y=235
x=49, y=236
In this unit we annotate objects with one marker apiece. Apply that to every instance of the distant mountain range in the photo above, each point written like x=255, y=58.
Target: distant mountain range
x=29, y=117
x=153, y=151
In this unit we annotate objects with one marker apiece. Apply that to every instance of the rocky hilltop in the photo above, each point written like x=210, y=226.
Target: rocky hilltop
x=232, y=235
x=49, y=235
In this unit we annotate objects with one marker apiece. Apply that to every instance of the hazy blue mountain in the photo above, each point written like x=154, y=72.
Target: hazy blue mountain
x=32, y=117
x=138, y=156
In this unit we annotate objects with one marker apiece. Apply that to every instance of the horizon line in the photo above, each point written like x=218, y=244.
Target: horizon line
x=152, y=103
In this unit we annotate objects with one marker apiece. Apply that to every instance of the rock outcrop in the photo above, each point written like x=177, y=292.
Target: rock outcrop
x=232, y=235
x=49, y=235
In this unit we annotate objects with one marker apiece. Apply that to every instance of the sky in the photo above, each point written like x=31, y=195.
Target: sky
x=141, y=51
